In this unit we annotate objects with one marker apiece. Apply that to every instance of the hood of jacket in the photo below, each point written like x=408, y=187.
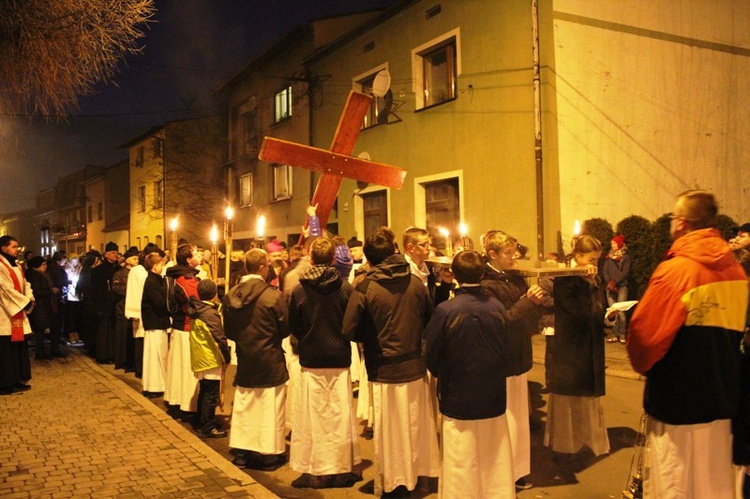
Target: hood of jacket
x=245, y=293
x=177, y=271
x=705, y=246
x=322, y=278
x=392, y=268
x=198, y=307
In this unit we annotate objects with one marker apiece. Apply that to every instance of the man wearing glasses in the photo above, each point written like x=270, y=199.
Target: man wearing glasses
x=416, y=251
x=685, y=337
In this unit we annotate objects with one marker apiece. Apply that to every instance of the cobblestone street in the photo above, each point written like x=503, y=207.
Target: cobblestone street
x=82, y=432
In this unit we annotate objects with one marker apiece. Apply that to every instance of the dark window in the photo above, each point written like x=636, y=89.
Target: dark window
x=375, y=210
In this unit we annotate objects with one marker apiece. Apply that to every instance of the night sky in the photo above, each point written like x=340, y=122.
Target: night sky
x=192, y=47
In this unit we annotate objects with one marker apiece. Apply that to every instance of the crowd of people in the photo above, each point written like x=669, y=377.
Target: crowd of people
x=441, y=355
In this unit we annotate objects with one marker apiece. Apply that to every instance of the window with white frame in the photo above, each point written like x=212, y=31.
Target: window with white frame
x=438, y=202
x=436, y=66
x=283, y=104
x=378, y=112
x=141, y=198
x=158, y=194
x=246, y=189
x=282, y=182
x=442, y=205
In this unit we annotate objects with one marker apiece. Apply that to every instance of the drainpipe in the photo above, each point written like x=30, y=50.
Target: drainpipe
x=538, y=130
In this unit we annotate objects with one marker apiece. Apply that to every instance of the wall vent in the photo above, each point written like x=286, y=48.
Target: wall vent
x=432, y=12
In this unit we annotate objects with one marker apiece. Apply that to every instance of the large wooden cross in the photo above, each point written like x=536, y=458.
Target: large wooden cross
x=336, y=163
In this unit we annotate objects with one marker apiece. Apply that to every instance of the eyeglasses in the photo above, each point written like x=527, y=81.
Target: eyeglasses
x=425, y=244
x=672, y=216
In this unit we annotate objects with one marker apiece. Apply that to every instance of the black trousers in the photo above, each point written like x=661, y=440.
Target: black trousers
x=138, y=358
x=208, y=398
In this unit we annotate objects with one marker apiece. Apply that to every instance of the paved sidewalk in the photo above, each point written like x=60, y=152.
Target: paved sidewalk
x=82, y=432
x=617, y=361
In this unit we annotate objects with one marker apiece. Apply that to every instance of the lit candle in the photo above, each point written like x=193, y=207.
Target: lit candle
x=214, y=263
x=214, y=234
x=173, y=238
x=260, y=226
x=229, y=213
x=464, y=241
x=448, y=243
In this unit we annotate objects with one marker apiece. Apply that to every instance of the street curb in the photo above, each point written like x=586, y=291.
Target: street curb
x=123, y=391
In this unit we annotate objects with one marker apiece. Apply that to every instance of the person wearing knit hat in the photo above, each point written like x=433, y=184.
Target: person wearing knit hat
x=355, y=248
x=36, y=262
x=615, y=273
x=132, y=251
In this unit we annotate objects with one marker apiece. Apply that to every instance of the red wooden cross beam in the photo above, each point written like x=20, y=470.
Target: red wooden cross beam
x=337, y=162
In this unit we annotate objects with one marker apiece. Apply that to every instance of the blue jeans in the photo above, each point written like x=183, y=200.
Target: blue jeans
x=621, y=325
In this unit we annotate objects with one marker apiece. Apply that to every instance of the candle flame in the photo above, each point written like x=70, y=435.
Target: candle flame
x=173, y=224
x=577, y=228
x=444, y=232
x=214, y=234
x=229, y=212
x=260, y=225
x=462, y=229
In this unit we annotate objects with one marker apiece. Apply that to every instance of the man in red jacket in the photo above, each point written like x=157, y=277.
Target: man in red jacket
x=685, y=337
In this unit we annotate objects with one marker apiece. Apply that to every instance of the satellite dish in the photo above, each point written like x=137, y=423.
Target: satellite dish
x=366, y=156
x=381, y=83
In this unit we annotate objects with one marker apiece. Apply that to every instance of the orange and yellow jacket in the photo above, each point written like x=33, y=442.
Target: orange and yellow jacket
x=686, y=331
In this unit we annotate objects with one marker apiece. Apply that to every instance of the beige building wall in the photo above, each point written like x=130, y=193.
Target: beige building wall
x=146, y=206
x=95, y=214
x=651, y=99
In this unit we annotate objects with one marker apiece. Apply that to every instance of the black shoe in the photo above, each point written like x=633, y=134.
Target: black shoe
x=21, y=387
x=304, y=481
x=400, y=491
x=8, y=391
x=240, y=460
x=523, y=483
x=213, y=433
x=265, y=462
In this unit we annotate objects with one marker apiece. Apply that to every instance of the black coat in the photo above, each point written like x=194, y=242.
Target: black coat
x=316, y=314
x=578, y=350
x=154, y=313
x=467, y=342
x=255, y=318
x=42, y=316
x=387, y=313
x=522, y=314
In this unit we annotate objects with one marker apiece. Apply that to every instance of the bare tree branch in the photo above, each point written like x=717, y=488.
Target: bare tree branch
x=53, y=52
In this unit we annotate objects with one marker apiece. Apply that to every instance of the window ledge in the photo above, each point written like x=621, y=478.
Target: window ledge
x=436, y=105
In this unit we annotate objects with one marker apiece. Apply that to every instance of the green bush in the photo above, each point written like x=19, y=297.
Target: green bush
x=638, y=232
x=600, y=229
x=726, y=226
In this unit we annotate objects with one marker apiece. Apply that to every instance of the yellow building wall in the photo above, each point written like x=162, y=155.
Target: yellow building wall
x=485, y=134
x=651, y=99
